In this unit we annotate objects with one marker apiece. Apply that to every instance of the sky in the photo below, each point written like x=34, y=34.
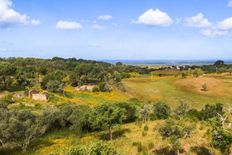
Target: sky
x=116, y=29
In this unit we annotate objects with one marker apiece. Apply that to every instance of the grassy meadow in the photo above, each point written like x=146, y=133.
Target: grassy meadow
x=174, y=90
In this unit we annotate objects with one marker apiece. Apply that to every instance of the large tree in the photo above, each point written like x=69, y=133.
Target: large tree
x=19, y=128
x=6, y=71
x=106, y=116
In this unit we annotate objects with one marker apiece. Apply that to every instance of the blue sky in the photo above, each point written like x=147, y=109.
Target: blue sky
x=116, y=29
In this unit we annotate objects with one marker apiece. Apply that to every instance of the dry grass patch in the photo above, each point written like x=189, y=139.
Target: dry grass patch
x=216, y=87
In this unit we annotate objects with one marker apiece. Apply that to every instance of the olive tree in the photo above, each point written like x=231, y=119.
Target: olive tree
x=106, y=116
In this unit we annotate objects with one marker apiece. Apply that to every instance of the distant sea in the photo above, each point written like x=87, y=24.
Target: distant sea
x=166, y=62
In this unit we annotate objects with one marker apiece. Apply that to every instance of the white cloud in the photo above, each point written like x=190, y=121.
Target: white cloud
x=225, y=24
x=213, y=33
x=105, y=17
x=229, y=3
x=68, y=25
x=222, y=28
x=35, y=22
x=155, y=18
x=198, y=21
x=99, y=27
x=8, y=16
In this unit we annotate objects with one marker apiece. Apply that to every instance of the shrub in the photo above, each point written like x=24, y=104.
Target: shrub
x=204, y=87
x=145, y=128
x=140, y=147
x=145, y=112
x=182, y=109
x=172, y=129
x=130, y=111
x=221, y=139
x=144, y=133
x=211, y=111
x=99, y=148
x=102, y=87
x=161, y=111
x=151, y=145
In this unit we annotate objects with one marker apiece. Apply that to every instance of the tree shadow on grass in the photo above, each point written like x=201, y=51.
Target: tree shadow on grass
x=201, y=150
x=166, y=151
x=116, y=134
x=7, y=151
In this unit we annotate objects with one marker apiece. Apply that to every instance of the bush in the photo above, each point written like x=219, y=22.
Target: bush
x=172, y=129
x=144, y=133
x=221, y=139
x=161, y=111
x=99, y=148
x=146, y=128
x=182, y=109
x=140, y=147
x=204, y=87
x=151, y=145
x=102, y=87
x=211, y=111
x=130, y=111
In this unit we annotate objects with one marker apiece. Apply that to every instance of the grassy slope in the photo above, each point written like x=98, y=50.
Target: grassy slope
x=170, y=90
x=57, y=141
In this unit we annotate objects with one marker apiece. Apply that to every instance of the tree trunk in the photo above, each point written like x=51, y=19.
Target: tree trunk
x=178, y=152
x=4, y=83
x=24, y=148
x=1, y=142
x=110, y=133
x=25, y=145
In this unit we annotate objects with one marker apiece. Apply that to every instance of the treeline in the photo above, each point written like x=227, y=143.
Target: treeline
x=53, y=74
x=194, y=70
x=218, y=67
x=19, y=128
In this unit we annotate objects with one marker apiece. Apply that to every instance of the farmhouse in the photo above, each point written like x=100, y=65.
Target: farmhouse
x=39, y=97
x=85, y=88
x=35, y=95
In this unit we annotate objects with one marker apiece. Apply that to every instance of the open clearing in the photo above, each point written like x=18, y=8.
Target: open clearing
x=175, y=90
x=169, y=89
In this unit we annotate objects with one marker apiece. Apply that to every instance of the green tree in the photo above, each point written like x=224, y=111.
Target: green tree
x=22, y=80
x=53, y=81
x=219, y=63
x=6, y=72
x=106, y=116
x=55, y=86
x=80, y=119
x=19, y=128
x=130, y=111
